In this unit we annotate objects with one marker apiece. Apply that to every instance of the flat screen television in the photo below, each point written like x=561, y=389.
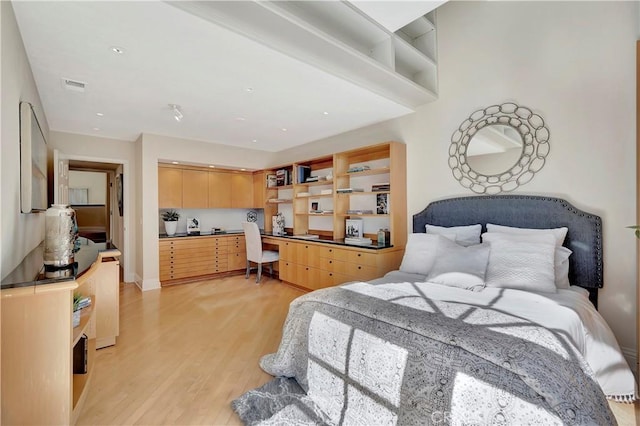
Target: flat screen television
x=33, y=162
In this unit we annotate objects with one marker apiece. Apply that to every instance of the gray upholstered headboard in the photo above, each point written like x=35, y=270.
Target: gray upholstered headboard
x=527, y=211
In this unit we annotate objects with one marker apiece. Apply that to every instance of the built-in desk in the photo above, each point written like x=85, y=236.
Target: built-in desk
x=314, y=264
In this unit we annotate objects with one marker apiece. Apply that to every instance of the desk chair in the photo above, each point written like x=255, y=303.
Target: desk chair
x=255, y=253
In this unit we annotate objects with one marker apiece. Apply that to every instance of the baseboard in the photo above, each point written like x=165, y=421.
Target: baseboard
x=632, y=358
x=138, y=281
x=153, y=284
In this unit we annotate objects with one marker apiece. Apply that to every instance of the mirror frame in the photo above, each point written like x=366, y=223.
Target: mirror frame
x=535, y=148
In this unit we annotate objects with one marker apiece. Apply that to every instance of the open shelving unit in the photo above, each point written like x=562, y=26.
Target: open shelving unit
x=385, y=163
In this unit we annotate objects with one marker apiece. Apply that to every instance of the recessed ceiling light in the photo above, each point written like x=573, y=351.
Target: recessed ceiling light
x=241, y=119
x=213, y=167
x=243, y=170
x=325, y=113
x=174, y=162
x=99, y=114
x=284, y=129
x=96, y=129
x=249, y=89
x=255, y=140
x=118, y=50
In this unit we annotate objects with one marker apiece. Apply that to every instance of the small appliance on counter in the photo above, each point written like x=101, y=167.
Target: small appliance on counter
x=60, y=235
x=217, y=230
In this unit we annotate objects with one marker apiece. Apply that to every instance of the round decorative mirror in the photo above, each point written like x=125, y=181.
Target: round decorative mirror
x=498, y=148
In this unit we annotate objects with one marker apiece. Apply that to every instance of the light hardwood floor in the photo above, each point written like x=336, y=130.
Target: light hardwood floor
x=185, y=352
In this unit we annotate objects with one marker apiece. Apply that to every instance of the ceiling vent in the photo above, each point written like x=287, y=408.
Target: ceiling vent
x=76, y=86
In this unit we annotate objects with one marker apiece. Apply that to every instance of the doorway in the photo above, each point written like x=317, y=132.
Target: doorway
x=95, y=193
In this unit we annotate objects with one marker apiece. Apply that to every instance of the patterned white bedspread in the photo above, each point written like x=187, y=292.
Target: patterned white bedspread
x=388, y=354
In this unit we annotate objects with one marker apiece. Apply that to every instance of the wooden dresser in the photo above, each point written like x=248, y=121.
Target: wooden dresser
x=39, y=385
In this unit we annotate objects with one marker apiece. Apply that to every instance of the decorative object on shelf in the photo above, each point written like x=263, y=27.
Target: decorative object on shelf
x=170, y=218
x=326, y=191
x=353, y=228
x=282, y=177
x=379, y=187
x=271, y=181
x=60, y=235
x=315, y=207
x=252, y=216
x=348, y=190
x=303, y=173
x=329, y=177
x=384, y=237
x=277, y=223
x=382, y=203
x=193, y=226
x=498, y=148
x=363, y=241
x=355, y=169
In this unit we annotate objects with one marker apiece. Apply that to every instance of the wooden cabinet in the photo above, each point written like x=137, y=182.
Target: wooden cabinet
x=107, y=291
x=187, y=258
x=169, y=187
x=219, y=190
x=259, y=189
x=241, y=191
x=237, y=253
x=195, y=189
x=315, y=265
x=38, y=340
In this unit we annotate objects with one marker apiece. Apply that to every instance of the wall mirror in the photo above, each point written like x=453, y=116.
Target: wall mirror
x=498, y=148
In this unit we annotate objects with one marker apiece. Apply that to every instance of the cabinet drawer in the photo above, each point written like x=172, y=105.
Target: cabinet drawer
x=237, y=248
x=362, y=258
x=333, y=265
x=237, y=261
x=361, y=272
x=288, y=251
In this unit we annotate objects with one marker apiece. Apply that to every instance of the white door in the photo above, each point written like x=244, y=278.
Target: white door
x=60, y=178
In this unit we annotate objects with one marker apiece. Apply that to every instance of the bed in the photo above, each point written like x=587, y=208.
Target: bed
x=414, y=347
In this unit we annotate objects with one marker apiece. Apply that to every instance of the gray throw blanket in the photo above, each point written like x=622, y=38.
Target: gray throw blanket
x=363, y=354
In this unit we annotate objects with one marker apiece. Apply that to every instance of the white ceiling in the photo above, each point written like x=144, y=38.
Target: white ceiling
x=174, y=57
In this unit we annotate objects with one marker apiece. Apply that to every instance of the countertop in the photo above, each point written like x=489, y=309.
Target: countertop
x=32, y=272
x=287, y=236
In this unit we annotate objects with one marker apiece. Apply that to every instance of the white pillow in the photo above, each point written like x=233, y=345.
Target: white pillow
x=561, y=254
x=561, y=263
x=522, y=265
x=419, y=254
x=558, y=233
x=459, y=266
x=465, y=235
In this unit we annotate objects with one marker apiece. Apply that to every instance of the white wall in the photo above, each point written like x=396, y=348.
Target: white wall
x=94, y=182
x=19, y=232
x=547, y=56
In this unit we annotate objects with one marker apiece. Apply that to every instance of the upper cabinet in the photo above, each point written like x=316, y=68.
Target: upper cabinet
x=169, y=187
x=242, y=191
x=219, y=189
x=189, y=187
x=195, y=189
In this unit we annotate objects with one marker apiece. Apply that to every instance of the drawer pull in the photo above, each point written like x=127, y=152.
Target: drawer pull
x=359, y=254
x=331, y=261
x=359, y=267
x=330, y=274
